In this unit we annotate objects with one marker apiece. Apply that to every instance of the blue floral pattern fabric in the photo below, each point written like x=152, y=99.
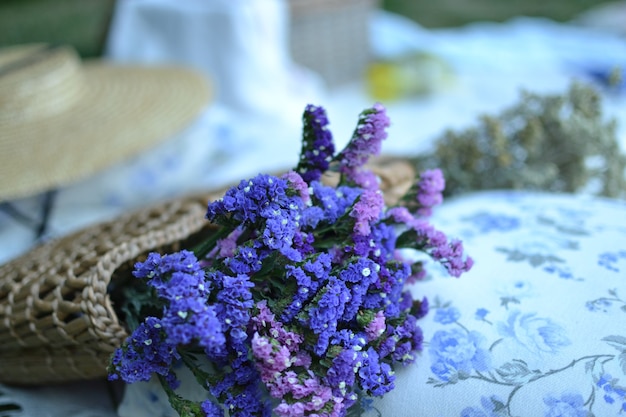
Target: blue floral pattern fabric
x=538, y=326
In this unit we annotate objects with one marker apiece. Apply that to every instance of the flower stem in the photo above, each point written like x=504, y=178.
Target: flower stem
x=184, y=408
x=206, y=246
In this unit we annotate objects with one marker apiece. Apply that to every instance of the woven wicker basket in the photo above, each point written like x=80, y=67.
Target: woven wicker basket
x=57, y=321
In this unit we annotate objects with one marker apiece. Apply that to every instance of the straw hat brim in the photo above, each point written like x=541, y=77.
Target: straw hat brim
x=122, y=111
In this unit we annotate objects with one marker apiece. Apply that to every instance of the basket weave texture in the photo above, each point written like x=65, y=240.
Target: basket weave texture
x=57, y=322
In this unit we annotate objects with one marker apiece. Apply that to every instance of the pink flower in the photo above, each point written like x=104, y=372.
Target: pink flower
x=290, y=410
x=376, y=327
x=365, y=179
x=430, y=186
x=228, y=245
x=366, y=210
x=298, y=184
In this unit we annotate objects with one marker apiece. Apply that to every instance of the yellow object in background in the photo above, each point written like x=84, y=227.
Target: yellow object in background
x=416, y=74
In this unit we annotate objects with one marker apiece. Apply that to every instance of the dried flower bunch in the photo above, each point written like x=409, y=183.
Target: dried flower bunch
x=554, y=143
x=297, y=304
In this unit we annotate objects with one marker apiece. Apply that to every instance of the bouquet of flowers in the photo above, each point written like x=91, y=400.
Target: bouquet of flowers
x=296, y=304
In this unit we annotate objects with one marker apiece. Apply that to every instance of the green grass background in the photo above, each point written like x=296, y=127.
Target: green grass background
x=446, y=13
x=84, y=23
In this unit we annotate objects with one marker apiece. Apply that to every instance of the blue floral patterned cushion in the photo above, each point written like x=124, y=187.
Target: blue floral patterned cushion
x=538, y=327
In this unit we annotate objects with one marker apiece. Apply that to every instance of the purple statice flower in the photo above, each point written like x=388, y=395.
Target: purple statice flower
x=307, y=288
x=243, y=367
x=246, y=260
x=317, y=144
x=451, y=256
x=379, y=245
x=400, y=342
x=234, y=302
x=426, y=193
x=429, y=191
x=341, y=375
x=271, y=358
x=190, y=319
x=265, y=322
x=150, y=268
x=226, y=247
x=387, y=291
x=179, y=281
x=358, y=276
x=242, y=205
x=365, y=178
x=284, y=409
x=303, y=243
x=157, y=269
x=435, y=243
x=366, y=210
x=267, y=204
x=330, y=203
x=401, y=215
x=309, y=278
x=246, y=401
x=347, y=339
x=220, y=387
x=210, y=409
x=326, y=314
x=276, y=351
x=365, y=142
x=240, y=390
x=310, y=397
x=312, y=216
x=281, y=225
x=376, y=377
x=410, y=339
x=406, y=302
x=394, y=285
x=144, y=353
x=299, y=299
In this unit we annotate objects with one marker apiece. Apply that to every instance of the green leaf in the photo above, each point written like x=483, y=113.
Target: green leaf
x=184, y=407
x=139, y=302
x=364, y=317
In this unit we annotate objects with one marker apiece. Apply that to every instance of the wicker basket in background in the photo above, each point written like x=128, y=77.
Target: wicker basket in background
x=331, y=37
x=57, y=321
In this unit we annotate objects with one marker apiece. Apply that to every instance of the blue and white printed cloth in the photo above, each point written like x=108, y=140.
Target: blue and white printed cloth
x=538, y=326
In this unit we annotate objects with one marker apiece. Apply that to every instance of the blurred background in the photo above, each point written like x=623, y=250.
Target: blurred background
x=84, y=23
x=437, y=66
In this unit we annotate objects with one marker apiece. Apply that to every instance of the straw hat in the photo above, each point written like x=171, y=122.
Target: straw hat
x=62, y=120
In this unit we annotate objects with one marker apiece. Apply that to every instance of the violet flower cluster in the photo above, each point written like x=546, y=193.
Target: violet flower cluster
x=298, y=304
